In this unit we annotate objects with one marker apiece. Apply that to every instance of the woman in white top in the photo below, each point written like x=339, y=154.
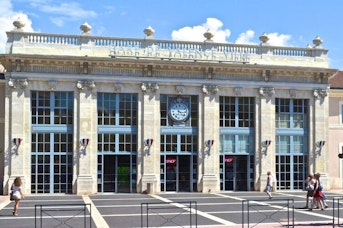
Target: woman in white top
x=310, y=182
x=17, y=194
x=269, y=185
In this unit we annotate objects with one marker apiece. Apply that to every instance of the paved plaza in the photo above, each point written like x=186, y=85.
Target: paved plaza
x=170, y=210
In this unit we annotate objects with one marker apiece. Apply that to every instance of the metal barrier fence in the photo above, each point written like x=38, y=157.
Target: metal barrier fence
x=268, y=211
x=337, y=201
x=63, y=215
x=177, y=214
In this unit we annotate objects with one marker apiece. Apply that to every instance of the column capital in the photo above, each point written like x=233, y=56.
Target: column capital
x=320, y=94
x=14, y=83
x=267, y=92
x=85, y=84
x=210, y=89
x=149, y=87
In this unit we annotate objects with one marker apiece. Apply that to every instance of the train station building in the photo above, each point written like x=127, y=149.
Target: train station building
x=85, y=114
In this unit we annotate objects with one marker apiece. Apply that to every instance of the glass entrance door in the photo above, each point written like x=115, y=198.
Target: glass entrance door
x=123, y=173
x=176, y=173
x=184, y=173
x=234, y=173
x=116, y=173
x=109, y=176
x=171, y=173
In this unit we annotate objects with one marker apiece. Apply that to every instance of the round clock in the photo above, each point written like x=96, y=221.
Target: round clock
x=178, y=111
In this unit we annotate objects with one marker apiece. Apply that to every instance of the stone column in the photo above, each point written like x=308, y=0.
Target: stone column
x=17, y=121
x=209, y=132
x=320, y=135
x=7, y=142
x=150, y=154
x=265, y=145
x=86, y=128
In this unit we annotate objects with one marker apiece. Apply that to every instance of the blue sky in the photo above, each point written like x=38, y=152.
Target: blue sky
x=288, y=23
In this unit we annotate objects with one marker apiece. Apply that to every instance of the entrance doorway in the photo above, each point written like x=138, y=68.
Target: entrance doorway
x=176, y=173
x=234, y=173
x=116, y=173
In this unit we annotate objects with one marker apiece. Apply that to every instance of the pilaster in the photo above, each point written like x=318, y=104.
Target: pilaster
x=7, y=142
x=266, y=136
x=320, y=135
x=17, y=137
x=86, y=138
x=210, y=142
x=150, y=154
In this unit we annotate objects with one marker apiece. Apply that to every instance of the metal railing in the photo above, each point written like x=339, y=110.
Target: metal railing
x=279, y=211
x=169, y=214
x=63, y=215
x=337, y=203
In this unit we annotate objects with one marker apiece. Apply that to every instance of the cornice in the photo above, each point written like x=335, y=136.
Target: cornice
x=210, y=70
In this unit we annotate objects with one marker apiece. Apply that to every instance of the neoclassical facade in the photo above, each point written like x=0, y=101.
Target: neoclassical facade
x=87, y=114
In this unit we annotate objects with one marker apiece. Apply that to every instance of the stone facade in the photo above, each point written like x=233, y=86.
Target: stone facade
x=87, y=65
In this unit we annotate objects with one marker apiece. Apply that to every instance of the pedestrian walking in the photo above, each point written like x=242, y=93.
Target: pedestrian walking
x=318, y=197
x=18, y=194
x=269, y=185
x=310, y=182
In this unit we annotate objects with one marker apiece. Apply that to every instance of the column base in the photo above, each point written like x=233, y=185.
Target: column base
x=324, y=181
x=84, y=185
x=210, y=184
x=149, y=184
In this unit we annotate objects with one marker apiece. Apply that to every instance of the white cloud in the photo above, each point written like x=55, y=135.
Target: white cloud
x=70, y=11
x=221, y=35
x=61, y=12
x=246, y=37
x=196, y=33
x=7, y=16
x=276, y=39
x=58, y=21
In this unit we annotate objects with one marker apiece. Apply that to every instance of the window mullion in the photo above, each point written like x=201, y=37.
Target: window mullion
x=52, y=109
x=117, y=108
x=236, y=112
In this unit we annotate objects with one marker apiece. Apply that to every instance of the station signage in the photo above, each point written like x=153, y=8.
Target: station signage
x=228, y=159
x=171, y=160
x=184, y=53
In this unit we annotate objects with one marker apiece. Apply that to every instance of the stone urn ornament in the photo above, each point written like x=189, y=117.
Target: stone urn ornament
x=18, y=24
x=86, y=28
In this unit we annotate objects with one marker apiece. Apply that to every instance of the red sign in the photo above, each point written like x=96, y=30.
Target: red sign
x=171, y=161
x=228, y=159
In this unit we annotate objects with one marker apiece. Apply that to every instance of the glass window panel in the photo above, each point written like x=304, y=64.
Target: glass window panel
x=291, y=113
x=282, y=145
x=298, y=120
x=228, y=143
x=117, y=107
x=244, y=145
x=57, y=170
x=237, y=112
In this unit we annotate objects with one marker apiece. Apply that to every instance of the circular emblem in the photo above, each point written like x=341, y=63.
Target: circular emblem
x=178, y=111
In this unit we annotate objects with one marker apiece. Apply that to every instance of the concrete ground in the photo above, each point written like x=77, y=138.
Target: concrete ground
x=214, y=210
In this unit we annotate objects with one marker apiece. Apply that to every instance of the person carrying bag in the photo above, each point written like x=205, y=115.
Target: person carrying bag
x=17, y=194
